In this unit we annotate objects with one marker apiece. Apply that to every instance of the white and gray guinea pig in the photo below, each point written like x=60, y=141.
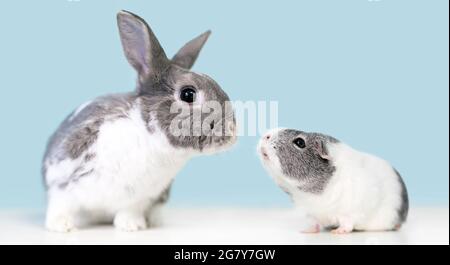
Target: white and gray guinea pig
x=337, y=186
x=114, y=158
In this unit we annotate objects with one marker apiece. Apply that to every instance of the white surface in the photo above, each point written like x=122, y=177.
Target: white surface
x=225, y=226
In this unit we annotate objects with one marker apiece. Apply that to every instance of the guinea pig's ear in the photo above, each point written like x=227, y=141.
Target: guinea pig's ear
x=141, y=46
x=321, y=149
x=187, y=55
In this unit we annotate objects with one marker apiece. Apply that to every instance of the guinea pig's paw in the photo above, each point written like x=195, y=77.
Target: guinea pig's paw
x=341, y=230
x=345, y=226
x=312, y=229
x=61, y=224
x=129, y=222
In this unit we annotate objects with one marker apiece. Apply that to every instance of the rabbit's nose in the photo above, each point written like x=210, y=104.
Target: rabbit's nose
x=231, y=128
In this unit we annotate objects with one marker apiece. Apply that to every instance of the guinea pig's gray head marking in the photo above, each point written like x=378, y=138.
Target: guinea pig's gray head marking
x=164, y=84
x=304, y=157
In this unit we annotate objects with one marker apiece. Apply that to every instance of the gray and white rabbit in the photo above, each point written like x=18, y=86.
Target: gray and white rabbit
x=114, y=158
x=336, y=185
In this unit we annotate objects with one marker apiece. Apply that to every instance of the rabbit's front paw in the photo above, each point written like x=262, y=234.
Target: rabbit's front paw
x=129, y=222
x=62, y=224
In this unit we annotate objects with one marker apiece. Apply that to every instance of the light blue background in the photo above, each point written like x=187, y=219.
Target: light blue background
x=372, y=73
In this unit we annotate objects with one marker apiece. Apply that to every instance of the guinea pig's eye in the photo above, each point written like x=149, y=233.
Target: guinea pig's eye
x=300, y=143
x=188, y=94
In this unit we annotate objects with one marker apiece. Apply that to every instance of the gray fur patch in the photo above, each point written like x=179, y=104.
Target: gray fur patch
x=77, y=174
x=305, y=165
x=88, y=157
x=404, y=206
x=80, y=140
x=77, y=133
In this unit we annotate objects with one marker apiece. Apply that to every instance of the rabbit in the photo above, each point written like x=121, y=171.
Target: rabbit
x=114, y=158
x=337, y=186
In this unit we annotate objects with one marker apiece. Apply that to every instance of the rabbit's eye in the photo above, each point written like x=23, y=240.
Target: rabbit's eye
x=188, y=94
x=300, y=143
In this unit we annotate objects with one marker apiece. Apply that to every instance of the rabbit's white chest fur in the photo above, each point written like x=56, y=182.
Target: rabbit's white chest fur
x=130, y=166
x=364, y=189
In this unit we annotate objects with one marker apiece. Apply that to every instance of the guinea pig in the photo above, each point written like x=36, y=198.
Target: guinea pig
x=338, y=187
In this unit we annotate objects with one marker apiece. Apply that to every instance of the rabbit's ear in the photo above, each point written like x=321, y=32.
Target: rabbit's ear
x=140, y=45
x=187, y=55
